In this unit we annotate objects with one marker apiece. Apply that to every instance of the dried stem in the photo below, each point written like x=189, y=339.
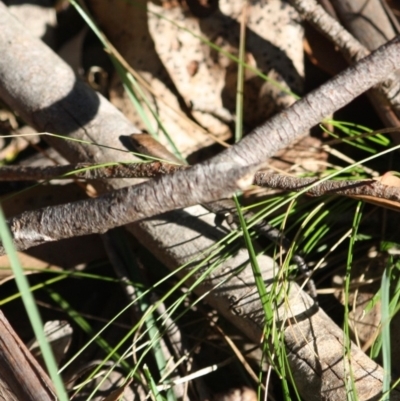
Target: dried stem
x=367, y=187
x=88, y=171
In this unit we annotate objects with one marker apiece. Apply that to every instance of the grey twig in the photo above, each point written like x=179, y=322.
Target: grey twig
x=91, y=171
x=315, y=14
x=386, y=95
x=216, y=178
x=372, y=187
x=129, y=204
x=88, y=171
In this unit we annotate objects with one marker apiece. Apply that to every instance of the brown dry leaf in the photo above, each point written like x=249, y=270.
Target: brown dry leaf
x=111, y=388
x=304, y=155
x=59, y=335
x=390, y=179
x=212, y=88
x=186, y=74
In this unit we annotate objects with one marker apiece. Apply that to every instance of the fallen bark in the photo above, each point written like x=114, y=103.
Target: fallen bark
x=43, y=90
x=21, y=376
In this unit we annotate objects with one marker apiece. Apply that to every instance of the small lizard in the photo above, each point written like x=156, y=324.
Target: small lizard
x=226, y=208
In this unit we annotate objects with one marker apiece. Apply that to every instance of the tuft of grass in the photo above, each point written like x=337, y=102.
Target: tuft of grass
x=269, y=300
x=356, y=133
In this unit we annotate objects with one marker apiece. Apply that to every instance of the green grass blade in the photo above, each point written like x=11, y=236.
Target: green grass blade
x=385, y=319
x=240, y=76
x=82, y=323
x=267, y=302
x=132, y=87
x=150, y=319
x=355, y=132
x=153, y=387
x=31, y=309
x=350, y=382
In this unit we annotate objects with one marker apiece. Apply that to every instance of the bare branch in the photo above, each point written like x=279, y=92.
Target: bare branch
x=217, y=178
x=367, y=187
x=129, y=204
x=283, y=128
x=315, y=14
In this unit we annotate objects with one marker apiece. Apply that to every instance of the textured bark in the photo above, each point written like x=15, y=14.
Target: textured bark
x=369, y=22
x=87, y=171
x=44, y=91
x=21, y=377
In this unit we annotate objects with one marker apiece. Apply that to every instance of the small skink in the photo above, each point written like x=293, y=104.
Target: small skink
x=226, y=208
